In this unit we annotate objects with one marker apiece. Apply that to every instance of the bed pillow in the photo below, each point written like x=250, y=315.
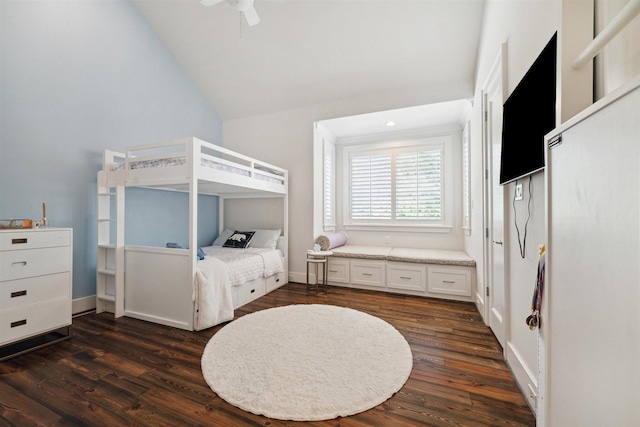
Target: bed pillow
x=239, y=239
x=265, y=239
x=223, y=237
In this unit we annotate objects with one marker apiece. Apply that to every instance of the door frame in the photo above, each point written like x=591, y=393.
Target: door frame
x=499, y=64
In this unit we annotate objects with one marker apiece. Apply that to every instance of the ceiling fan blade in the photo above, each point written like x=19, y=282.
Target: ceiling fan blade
x=251, y=16
x=210, y=3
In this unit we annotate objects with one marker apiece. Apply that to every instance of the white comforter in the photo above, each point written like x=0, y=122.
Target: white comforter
x=247, y=264
x=223, y=268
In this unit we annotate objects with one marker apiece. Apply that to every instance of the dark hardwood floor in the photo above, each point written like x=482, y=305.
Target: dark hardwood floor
x=117, y=372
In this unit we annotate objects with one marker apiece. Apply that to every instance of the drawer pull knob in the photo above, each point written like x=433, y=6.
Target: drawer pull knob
x=277, y=280
x=19, y=323
x=253, y=290
x=18, y=294
x=19, y=241
x=19, y=264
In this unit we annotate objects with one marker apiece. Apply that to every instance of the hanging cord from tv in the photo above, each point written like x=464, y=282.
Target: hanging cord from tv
x=522, y=245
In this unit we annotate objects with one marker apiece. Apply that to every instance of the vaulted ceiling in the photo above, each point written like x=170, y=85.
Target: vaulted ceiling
x=387, y=53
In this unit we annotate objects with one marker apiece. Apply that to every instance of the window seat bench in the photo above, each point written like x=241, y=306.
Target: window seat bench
x=424, y=272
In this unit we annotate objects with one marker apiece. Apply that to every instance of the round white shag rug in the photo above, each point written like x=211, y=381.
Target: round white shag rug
x=307, y=362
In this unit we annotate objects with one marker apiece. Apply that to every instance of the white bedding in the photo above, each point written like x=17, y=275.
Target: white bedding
x=247, y=264
x=223, y=268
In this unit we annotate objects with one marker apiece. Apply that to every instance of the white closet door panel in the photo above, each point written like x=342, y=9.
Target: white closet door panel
x=593, y=289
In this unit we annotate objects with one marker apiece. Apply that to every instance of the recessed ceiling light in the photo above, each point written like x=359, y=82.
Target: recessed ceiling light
x=390, y=123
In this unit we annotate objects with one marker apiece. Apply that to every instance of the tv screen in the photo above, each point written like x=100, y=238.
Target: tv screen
x=528, y=115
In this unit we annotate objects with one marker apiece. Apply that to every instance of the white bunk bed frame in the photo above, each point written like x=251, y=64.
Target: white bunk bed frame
x=159, y=282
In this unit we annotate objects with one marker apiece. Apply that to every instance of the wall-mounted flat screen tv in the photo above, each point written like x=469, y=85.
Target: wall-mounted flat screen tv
x=528, y=115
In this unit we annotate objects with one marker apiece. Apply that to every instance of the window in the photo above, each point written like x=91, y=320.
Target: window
x=370, y=187
x=419, y=185
x=399, y=184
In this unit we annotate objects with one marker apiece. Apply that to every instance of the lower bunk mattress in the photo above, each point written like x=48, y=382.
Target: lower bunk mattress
x=220, y=271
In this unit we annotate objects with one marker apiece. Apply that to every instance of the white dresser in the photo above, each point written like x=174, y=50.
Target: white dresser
x=35, y=288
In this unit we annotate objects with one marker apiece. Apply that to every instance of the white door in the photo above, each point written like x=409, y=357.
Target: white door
x=494, y=202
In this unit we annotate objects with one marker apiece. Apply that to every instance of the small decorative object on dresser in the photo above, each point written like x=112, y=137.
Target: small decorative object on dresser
x=35, y=288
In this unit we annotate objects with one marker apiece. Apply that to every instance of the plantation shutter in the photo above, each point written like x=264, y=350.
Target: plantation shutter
x=328, y=189
x=466, y=182
x=371, y=187
x=419, y=185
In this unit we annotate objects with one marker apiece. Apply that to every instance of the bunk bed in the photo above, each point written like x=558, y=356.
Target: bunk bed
x=169, y=285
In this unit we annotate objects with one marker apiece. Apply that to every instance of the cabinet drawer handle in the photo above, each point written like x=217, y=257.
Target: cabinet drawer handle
x=367, y=274
x=253, y=290
x=405, y=277
x=333, y=271
x=448, y=281
x=19, y=323
x=277, y=280
x=19, y=241
x=19, y=264
x=18, y=294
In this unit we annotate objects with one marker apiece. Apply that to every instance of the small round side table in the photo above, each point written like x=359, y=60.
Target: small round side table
x=317, y=258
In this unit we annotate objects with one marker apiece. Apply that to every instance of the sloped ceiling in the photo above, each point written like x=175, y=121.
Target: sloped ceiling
x=382, y=53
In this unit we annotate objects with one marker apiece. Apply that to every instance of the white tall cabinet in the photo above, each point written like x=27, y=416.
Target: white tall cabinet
x=35, y=288
x=590, y=336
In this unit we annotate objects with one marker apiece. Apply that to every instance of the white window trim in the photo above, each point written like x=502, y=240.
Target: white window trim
x=444, y=226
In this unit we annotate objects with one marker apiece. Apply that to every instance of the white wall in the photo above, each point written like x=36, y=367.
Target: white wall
x=526, y=27
x=286, y=140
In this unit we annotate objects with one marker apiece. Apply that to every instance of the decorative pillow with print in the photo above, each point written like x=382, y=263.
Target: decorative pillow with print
x=239, y=239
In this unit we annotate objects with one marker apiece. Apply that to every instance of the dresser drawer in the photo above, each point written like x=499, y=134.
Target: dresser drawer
x=369, y=273
x=449, y=280
x=249, y=291
x=33, y=239
x=24, y=322
x=406, y=277
x=275, y=281
x=34, y=262
x=23, y=292
x=338, y=270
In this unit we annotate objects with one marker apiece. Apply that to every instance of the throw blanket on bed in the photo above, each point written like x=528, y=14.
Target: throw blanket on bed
x=213, y=294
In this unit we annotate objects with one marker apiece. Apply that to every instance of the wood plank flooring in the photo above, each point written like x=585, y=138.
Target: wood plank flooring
x=123, y=372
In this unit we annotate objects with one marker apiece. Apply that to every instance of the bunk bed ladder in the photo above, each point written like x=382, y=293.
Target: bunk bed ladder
x=110, y=263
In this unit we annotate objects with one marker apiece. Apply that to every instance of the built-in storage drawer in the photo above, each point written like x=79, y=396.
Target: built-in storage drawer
x=406, y=277
x=249, y=291
x=23, y=292
x=368, y=273
x=31, y=320
x=338, y=270
x=32, y=239
x=275, y=281
x=449, y=280
x=34, y=262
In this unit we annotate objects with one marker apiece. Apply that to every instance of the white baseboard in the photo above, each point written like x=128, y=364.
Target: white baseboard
x=80, y=305
x=301, y=277
x=527, y=381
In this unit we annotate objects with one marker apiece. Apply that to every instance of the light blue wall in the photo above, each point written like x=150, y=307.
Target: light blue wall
x=78, y=77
